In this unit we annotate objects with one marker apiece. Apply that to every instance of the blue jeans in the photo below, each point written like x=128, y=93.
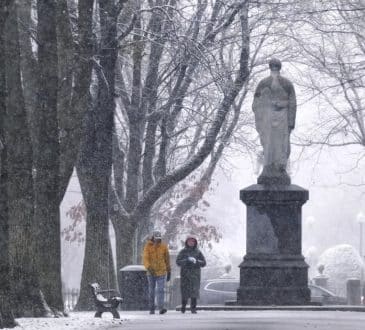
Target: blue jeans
x=156, y=283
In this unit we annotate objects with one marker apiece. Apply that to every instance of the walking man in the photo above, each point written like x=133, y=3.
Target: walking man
x=156, y=260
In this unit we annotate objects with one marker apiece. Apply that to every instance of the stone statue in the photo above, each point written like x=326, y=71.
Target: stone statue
x=274, y=106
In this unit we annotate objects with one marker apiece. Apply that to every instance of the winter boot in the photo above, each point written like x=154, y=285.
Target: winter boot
x=193, y=305
x=183, y=305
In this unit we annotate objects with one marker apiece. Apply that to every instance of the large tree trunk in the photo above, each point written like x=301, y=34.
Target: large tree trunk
x=129, y=246
x=29, y=65
x=72, y=112
x=123, y=241
x=123, y=233
x=144, y=230
x=95, y=165
x=47, y=160
x=27, y=300
x=98, y=261
x=75, y=65
x=6, y=315
x=128, y=251
x=135, y=118
x=124, y=248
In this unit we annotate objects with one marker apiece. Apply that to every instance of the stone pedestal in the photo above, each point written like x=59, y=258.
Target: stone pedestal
x=274, y=272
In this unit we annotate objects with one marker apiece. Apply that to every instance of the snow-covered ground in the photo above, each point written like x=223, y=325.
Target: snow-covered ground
x=79, y=321
x=204, y=320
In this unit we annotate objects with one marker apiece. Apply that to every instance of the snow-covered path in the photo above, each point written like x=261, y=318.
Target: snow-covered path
x=204, y=320
x=79, y=320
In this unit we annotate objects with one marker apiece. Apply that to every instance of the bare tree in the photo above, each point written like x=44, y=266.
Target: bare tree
x=201, y=186
x=157, y=111
x=56, y=80
x=95, y=163
x=183, y=102
x=331, y=65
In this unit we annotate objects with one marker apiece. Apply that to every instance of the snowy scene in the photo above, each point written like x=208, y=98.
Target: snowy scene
x=173, y=164
x=286, y=320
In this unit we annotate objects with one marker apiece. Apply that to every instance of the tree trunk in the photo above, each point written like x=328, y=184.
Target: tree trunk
x=47, y=160
x=123, y=234
x=98, y=262
x=71, y=117
x=29, y=66
x=136, y=120
x=6, y=315
x=124, y=247
x=95, y=164
x=118, y=168
x=144, y=229
x=94, y=170
x=27, y=299
x=128, y=250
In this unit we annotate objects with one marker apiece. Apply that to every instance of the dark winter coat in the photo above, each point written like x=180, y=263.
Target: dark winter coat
x=190, y=272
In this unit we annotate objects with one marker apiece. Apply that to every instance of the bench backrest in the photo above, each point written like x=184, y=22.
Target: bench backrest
x=95, y=289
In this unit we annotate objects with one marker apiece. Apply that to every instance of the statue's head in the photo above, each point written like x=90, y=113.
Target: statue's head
x=275, y=64
x=320, y=269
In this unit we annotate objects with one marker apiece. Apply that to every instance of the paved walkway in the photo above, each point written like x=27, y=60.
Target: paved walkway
x=206, y=320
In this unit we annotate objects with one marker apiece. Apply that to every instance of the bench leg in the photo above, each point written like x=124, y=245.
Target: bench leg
x=115, y=313
x=98, y=314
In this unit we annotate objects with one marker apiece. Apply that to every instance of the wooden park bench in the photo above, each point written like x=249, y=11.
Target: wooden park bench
x=105, y=304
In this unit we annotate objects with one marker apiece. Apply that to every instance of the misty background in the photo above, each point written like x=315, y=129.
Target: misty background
x=333, y=176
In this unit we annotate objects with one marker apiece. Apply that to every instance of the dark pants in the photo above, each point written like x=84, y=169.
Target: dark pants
x=193, y=302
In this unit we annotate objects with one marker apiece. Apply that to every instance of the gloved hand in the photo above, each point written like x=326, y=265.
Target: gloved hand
x=192, y=259
x=168, y=277
x=151, y=271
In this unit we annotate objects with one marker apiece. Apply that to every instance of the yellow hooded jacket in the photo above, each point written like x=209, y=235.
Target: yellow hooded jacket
x=156, y=258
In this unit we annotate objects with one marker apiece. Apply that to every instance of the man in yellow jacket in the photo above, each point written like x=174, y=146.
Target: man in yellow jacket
x=156, y=260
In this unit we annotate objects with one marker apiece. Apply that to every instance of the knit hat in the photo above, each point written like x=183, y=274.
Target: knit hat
x=157, y=234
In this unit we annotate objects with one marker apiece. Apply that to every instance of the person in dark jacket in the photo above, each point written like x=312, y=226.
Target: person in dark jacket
x=190, y=259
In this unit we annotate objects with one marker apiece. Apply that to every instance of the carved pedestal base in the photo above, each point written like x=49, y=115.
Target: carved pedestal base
x=274, y=175
x=273, y=271
x=273, y=280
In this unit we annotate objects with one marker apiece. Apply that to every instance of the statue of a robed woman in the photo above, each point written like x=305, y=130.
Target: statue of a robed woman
x=275, y=106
